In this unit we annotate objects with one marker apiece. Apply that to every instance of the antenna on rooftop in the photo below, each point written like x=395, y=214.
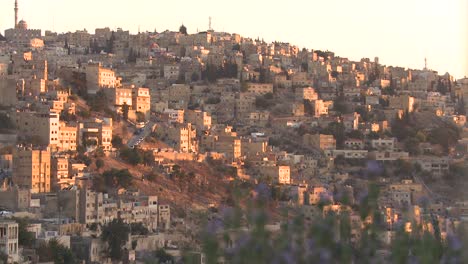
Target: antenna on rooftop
x=425, y=63
x=209, y=23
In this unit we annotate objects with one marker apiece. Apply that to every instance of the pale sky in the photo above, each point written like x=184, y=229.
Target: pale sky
x=400, y=32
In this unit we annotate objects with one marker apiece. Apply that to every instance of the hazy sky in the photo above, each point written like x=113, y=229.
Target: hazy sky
x=399, y=32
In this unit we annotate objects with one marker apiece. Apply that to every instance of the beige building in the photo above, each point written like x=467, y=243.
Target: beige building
x=404, y=102
x=141, y=101
x=319, y=141
x=9, y=231
x=32, y=169
x=96, y=132
x=8, y=92
x=60, y=172
x=98, y=77
x=180, y=94
x=201, y=120
x=278, y=174
x=259, y=88
x=183, y=137
x=320, y=107
x=44, y=126
x=306, y=93
x=119, y=96
x=68, y=137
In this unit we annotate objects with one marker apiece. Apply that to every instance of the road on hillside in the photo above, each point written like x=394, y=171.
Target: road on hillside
x=141, y=136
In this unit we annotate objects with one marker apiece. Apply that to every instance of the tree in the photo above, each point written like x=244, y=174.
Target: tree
x=110, y=43
x=125, y=110
x=53, y=251
x=99, y=163
x=117, y=141
x=183, y=29
x=132, y=156
x=25, y=238
x=140, y=117
x=117, y=178
x=461, y=108
x=115, y=234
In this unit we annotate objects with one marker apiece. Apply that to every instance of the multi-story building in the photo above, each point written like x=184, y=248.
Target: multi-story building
x=200, y=119
x=8, y=92
x=141, y=101
x=173, y=116
x=68, y=137
x=60, y=172
x=91, y=207
x=383, y=144
x=119, y=96
x=171, y=72
x=278, y=174
x=306, y=93
x=183, y=137
x=403, y=102
x=435, y=165
x=98, y=77
x=320, y=108
x=319, y=141
x=96, y=132
x=32, y=169
x=44, y=126
x=9, y=231
x=351, y=121
x=259, y=88
x=21, y=34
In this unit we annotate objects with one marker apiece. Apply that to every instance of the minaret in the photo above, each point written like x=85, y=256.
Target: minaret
x=16, y=14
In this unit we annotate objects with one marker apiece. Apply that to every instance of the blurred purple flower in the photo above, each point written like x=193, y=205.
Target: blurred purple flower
x=374, y=167
x=454, y=242
x=263, y=192
x=214, y=226
x=325, y=255
x=362, y=195
x=310, y=244
x=288, y=257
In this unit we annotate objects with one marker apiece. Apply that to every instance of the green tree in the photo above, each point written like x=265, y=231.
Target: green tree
x=99, y=163
x=118, y=178
x=183, y=29
x=125, y=110
x=53, y=251
x=25, y=238
x=117, y=141
x=115, y=234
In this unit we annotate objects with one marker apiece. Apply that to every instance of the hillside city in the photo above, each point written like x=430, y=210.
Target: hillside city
x=211, y=147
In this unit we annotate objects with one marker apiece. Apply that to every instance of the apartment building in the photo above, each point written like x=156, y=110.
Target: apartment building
x=9, y=231
x=319, y=141
x=96, y=132
x=44, y=126
x=98, y=77
x=32, y=169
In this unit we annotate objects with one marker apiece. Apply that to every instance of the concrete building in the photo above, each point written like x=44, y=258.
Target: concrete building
x=141, y=101
x=96, y=132
x=278, y=174
x=403, y=102
x=306, y=93
x=8, y=91
x=32, y=169
x=98, y=77
x=9, y=240
x=68, y=137
x=44, y=126
x=259, y=88
x=319, y=141
x=200, y=119
x=183, y=137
